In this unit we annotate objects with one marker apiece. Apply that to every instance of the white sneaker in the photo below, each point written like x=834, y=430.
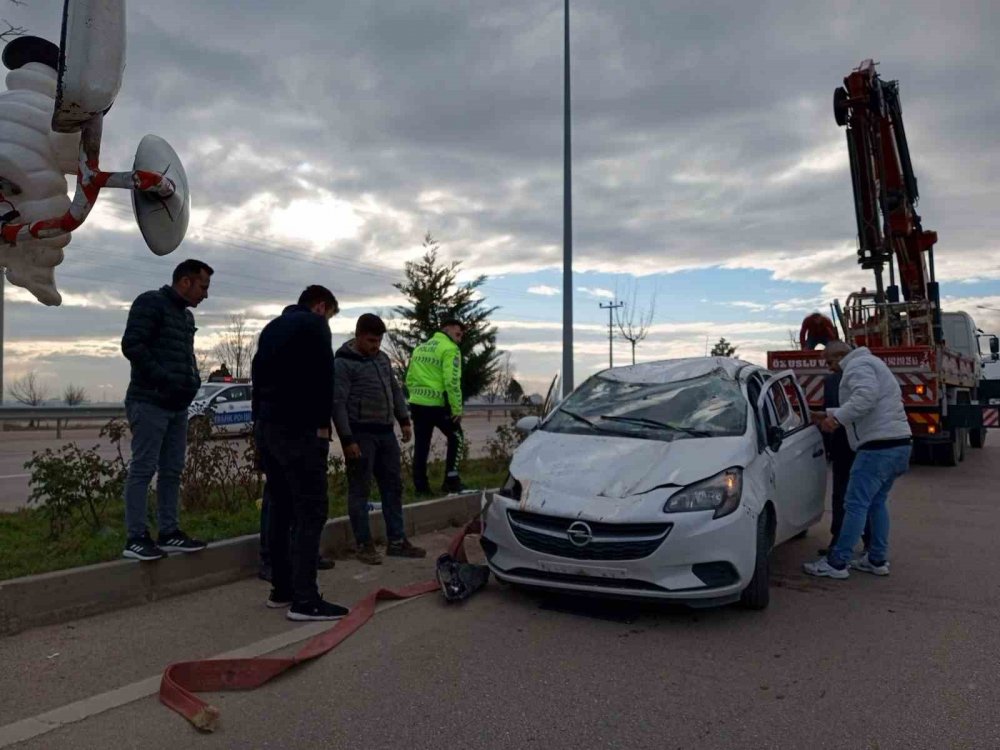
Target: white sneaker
x=822, y=569
x=863, y=563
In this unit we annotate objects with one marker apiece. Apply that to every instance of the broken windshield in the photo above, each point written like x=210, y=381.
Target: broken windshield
x=708, y=406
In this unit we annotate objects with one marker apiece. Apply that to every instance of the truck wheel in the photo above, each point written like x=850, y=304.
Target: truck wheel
x=757, y=594
x=977, y=438
x=962, y=440
x=923, y=454
x=947, y=454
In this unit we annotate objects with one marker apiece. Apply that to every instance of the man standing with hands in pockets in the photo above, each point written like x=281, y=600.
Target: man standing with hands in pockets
x=367, y=401
x=292, y=402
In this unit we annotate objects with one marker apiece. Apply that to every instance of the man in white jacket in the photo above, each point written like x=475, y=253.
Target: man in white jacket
x=872, y=413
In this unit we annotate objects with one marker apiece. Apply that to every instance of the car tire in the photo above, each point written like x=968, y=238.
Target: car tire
x=757, y=594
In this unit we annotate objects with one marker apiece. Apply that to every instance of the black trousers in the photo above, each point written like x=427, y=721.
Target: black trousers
x=425, y=419
x=842, y=459
x=294, y=464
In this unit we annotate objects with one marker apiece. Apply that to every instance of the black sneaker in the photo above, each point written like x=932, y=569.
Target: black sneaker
x=278, y=600
x=178, y=541
x=142, y=548
x=316, y=610
x=454, y=486
x=403, y=548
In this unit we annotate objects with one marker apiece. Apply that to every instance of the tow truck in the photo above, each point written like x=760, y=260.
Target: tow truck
x=934, y=355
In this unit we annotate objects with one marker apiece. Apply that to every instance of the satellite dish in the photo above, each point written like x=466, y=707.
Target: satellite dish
x=162, y=221
x=91, y=61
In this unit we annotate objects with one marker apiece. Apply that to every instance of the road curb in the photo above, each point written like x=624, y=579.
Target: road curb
x=64, y=595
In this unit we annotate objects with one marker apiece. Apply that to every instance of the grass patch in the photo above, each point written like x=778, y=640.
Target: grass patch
x=26, y=548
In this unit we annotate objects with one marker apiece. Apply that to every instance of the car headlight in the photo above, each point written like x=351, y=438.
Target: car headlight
x=720, y=493
x=511, y=488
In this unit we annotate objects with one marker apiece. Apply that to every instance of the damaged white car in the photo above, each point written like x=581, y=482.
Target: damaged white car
x=668, y=480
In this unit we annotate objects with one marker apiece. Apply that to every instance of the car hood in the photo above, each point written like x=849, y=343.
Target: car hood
x=620, y=467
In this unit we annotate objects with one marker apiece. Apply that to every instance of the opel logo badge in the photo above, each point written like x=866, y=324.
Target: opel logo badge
x=579, y=534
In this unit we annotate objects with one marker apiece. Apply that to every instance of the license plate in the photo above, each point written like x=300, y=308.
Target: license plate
x=581, y=570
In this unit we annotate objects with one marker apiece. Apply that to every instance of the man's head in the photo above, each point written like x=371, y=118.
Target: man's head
x=835, y=351
x=319, y=300
x=191, y=281
x=368, y=334
x=454, y=329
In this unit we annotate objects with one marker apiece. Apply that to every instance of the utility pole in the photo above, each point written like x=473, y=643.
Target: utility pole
x=611, y=307
x=567, y=358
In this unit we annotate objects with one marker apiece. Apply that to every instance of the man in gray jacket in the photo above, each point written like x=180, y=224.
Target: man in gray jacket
x=367, y=400
x=872, y=412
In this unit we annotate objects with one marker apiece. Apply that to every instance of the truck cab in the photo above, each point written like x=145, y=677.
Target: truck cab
x=961, y=335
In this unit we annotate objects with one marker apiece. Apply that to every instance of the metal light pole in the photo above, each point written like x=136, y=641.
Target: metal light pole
x=567, y=360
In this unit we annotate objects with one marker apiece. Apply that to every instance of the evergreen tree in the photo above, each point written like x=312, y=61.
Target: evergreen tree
x=723, y=349
x=433, y=296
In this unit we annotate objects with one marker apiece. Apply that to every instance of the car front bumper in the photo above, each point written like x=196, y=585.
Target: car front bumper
x=701, y=560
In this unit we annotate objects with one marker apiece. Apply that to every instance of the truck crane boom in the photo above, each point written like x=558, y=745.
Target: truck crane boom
x=886, y=194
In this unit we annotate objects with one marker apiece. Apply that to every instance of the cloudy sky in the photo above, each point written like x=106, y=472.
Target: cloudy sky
x=323, y=140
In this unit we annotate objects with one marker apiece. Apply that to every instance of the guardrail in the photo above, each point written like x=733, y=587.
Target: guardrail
x=63, y=414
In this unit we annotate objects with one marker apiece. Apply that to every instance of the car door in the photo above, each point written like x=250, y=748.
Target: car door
x=797, y=454
x=231, y=410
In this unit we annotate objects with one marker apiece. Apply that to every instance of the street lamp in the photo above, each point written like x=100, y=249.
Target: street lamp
x=567, y=363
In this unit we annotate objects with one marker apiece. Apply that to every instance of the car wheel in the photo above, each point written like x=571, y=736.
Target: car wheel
x=757, y=594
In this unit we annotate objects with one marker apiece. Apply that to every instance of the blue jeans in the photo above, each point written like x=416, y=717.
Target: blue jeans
x=159, y=440
x=379, y=458
x=872, y=476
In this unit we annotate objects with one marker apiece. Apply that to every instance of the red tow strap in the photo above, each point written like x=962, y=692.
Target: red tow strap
x=182, y=680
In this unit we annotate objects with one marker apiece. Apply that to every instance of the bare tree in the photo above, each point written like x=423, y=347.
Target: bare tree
x=74, y=395
x=12, y=31
x=633, y=324
x=203, y=360
x=237, y=347
x=499, y=387
x=28, y=390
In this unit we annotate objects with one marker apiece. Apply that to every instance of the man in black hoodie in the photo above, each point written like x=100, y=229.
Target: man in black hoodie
x=367, y=401
x=292, y=376
x=159, y=344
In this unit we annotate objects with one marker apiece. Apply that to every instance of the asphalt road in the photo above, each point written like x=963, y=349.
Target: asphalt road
x=17, y=447
x=908, y=661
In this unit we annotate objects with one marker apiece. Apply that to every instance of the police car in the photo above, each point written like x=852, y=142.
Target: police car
x=226, y=404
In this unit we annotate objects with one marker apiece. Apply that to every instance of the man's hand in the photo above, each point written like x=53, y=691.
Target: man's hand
x=407, y=431
x=829, y=424
x=352, y=452
x=817, y=417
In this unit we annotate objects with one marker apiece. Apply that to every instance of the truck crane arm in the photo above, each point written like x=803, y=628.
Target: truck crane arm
x=885, y=187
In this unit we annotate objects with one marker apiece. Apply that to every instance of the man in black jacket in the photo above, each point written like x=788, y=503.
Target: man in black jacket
x=159, y=344
x=292, y=376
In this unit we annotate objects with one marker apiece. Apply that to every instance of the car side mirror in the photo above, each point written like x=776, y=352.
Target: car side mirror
x=775, y=436
x=526, y=425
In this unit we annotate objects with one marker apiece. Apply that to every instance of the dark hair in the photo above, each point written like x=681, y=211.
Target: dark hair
x=452, y=322
x=191, y=267
x=314, y=294
x=369, y=323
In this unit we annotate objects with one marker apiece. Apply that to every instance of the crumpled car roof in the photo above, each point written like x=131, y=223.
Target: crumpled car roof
x=670, y=370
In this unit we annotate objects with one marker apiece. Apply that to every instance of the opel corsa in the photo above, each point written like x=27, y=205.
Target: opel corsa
x=667, y=480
